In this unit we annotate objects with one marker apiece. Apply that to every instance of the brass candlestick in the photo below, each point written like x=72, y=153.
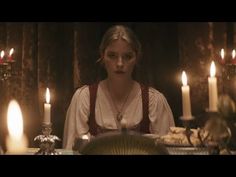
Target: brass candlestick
x=187, y=123
x=47, y=141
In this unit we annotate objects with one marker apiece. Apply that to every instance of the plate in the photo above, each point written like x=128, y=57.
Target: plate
x=168, y=144
x=176, y=144
x=187, y=151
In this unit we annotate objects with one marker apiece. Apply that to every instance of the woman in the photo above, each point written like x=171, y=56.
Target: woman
x=118, y=100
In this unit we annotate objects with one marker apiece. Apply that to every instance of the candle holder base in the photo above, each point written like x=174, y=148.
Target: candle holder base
x=47, y=141
x=7, y=70
x=187, y=123
x=208, y=111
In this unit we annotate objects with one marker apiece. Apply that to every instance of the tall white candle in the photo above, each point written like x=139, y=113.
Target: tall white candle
x=1, y=56
x=222, y=55
x=47, y=108
x=10, y=55
x=16, y=142
x=212, y=85
x=233, y=57
x=186, y=104
x=233, y=53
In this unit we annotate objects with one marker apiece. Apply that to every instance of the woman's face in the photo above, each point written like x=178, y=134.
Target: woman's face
x=119, y=59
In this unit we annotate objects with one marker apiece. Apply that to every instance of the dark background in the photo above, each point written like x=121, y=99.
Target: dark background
x=62, y=56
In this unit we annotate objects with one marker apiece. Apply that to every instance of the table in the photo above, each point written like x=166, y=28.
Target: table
x=171, y=150
x=32, y=151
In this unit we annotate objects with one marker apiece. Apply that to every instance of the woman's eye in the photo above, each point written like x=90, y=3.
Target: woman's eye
x=111, y=56
x=128, y=57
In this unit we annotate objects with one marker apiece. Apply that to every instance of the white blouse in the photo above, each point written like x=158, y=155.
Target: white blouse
x=160, y=114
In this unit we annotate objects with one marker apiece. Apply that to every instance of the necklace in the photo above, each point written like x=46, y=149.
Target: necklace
x=119, y=115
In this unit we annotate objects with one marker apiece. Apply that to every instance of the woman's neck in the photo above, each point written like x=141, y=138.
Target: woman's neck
x=119, y=88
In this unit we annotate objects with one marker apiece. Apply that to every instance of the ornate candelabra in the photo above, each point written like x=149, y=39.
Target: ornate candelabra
x=47, y=141
x=215, y=135
x=6, y=65
x=227, y=62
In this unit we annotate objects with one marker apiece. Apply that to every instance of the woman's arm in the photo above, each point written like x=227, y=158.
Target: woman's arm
x=76, y=117
x=160, y=114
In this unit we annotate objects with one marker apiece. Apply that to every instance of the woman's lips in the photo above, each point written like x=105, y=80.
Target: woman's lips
x=119, y=72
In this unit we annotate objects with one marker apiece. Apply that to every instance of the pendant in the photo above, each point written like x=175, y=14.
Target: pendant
x=119, y=116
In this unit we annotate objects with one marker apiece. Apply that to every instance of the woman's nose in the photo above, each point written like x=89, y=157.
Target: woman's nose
x=120, y=62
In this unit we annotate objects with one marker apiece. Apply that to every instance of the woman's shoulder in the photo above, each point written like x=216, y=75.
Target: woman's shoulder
x=155, y=95
x=82, y=91
x=153, y=91
x=156, y=98
x=85, y=89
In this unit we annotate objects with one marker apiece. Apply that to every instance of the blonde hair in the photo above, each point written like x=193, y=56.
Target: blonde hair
x=120, y=32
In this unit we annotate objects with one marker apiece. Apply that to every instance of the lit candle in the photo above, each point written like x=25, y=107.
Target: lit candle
x=16, y=142
x=212, y=83
x=222, y=54
x=47, y=108
x=10, y=55
x=186, y=105
x=1, y=56
x=233, y=57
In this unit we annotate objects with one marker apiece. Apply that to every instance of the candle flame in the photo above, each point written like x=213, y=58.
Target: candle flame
x=47, y=95
x=14, y=120
x=222, y=53
x=11, y=51
x=184, y=78
x=233, y=54
x=212, y=69
x=2, y=53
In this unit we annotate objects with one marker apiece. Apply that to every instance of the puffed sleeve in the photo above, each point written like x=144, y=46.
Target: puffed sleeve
x=76, y=117
x=160, y=114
